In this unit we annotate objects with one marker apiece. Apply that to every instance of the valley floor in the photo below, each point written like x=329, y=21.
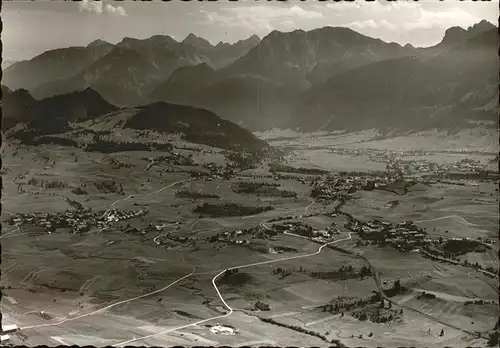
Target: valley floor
x=165, y=283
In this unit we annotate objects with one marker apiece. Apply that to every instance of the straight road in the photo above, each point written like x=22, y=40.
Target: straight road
x=376, y=276
x=110, y=306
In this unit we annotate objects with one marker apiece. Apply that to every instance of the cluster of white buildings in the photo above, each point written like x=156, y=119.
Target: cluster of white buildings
x=6, y=329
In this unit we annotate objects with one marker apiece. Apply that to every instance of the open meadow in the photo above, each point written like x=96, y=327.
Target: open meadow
x=149, y=279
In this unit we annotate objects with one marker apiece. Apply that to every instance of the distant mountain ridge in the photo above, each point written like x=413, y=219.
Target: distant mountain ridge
x=292, y=57
x=444, y=91
x=54, y=64
x=259, y=89
x=124, y=73
x=326, y=78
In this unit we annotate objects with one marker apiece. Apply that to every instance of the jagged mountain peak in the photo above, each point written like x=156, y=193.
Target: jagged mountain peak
x=165, y=39
x=453, y=34
x=98, y=43
x=197, y=42
x=155, y=40
x=456, y=35
x=483, y=25
x=277, y=34
x=128, y=39
x=254, y=38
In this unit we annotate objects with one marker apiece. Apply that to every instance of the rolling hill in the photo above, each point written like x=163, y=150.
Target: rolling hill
x=197, y=126
x=51, y=115
x=62, y=118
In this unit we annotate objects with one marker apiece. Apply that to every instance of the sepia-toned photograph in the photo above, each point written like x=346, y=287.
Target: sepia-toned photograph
x=250, y=173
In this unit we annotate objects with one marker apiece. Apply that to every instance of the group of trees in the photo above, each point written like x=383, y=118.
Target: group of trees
x=494, y=337
x=185, y=193
x=426, y=295
x=47, y=184
x=376, y=316
x=301, y=330
x=282, y=272
x=118, y=164
x=110, y=146
x=79, y=190
x=262, y=306
x=75, y=204
x=463, y=246
x=479, y=302
x=276, y=167
x=34, y=137
x=229, y=209
x=230, y=271
x=476, y=265
x=262, y=188
x=242, y=160
x=343, y=273
x=340, y=306
x=55, y=184
x=396, y=288
x=109, y=186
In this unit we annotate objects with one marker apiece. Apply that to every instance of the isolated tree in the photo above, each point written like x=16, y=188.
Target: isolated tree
x=493, y=339
x=397, y=286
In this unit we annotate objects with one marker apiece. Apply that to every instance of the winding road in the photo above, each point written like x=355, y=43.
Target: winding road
x=65, y=320
x=230, y=309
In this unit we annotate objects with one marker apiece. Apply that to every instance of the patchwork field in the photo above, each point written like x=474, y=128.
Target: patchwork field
x=110, y=286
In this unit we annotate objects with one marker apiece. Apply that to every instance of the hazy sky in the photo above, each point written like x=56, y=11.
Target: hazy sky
x=30, y=28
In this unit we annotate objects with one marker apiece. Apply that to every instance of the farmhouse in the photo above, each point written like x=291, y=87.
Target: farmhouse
x=9, y=328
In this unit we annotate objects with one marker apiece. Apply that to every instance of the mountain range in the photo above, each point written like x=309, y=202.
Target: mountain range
x=327, y=78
